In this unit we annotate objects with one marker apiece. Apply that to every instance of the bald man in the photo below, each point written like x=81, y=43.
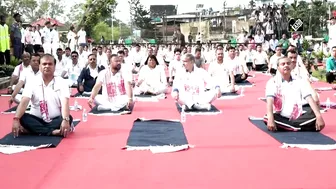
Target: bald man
x=189, y=87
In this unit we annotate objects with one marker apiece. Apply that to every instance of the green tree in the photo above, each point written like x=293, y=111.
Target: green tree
x=95, y=12
x=313, y=14
x=140, y=15
x=103, y=29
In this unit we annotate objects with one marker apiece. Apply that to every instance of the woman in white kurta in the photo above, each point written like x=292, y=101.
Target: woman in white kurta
x=152, y=78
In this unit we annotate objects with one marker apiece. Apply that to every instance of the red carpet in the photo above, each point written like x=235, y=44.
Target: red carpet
x=229, y=153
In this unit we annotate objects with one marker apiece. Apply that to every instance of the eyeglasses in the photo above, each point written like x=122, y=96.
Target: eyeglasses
x=74, y=56
x=92, y=59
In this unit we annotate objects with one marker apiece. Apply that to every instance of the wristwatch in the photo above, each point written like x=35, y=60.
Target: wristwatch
x=66, y=119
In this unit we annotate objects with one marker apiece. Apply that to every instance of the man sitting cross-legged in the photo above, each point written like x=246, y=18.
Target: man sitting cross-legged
x=285, y=110
x=49, y=96
x=18, y=71
x=117, y=88
x=152, y=78
x=28, y=74
x=88, y=76
x=189, y=86
x=236, y=66
x=222, y=73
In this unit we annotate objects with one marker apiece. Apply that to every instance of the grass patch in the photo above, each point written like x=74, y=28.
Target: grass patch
x=320, y=74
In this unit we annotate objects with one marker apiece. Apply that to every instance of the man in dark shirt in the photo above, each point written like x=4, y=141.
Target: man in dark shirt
x=88, y=76
x=181, y=39
x=16, y=35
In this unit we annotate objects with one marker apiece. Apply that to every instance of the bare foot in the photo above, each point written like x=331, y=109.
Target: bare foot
x=56, y=132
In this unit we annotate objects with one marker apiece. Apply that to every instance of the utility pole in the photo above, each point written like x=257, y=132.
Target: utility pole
x=224, y=19
x=112, y=27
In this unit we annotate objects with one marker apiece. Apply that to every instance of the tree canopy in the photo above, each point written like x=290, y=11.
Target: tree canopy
x=140, y=15
x=314, y=15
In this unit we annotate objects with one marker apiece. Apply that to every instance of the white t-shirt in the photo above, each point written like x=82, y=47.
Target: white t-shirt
x=220, y=73
x=81, y=36
x=19, y=69
x=194, y=82
x=47, y=35
x=56, y=90
x=28, y=73
x=234, y=65
x=293, y=92
x=260, y=58
x=274, y=61
x=154, y=76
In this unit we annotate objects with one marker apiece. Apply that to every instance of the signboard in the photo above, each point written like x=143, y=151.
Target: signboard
x=295, y=25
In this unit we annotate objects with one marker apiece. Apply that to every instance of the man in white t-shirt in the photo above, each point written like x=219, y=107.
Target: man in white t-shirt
x=190, y=86
x=222, y=74
x=272, y=67
x=49, y=96
x=18, y=71
x=117, y=93
x=236, y=65
x=47, y=38
x=81, y=37
x=284, y=95
x=27, y=74
x=260, y=59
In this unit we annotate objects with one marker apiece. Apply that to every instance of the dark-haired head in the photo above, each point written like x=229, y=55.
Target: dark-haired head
x=152, y=61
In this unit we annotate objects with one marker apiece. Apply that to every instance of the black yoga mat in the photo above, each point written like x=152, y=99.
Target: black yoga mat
x=32, y=140
x=244, y=83
x=213, y=109
x=95, y=111
x=230, y=94
x=80, y=95
x=146, y=133
x=145, y=95
x=291, y=137
x=13, y=109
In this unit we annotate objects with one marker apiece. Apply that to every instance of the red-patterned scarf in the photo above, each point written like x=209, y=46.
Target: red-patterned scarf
x=113, y=86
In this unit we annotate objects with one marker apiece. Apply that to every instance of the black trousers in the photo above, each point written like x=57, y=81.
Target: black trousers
x=239, y=78
x=330, y=77
x=262, y=67
x=306, y=122
x=29, y=48
x=37, y=48
x=37, y=126
x=5, y=57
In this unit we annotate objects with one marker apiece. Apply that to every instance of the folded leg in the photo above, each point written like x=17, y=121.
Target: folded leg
x=104, y=104
x=239, y=78
x=306, y=122
x=37, y=126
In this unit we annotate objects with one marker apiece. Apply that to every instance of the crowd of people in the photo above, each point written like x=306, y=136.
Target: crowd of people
x=110, y=76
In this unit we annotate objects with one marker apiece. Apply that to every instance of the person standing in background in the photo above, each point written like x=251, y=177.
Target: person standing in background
x=16, y=36
x=4, y=41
